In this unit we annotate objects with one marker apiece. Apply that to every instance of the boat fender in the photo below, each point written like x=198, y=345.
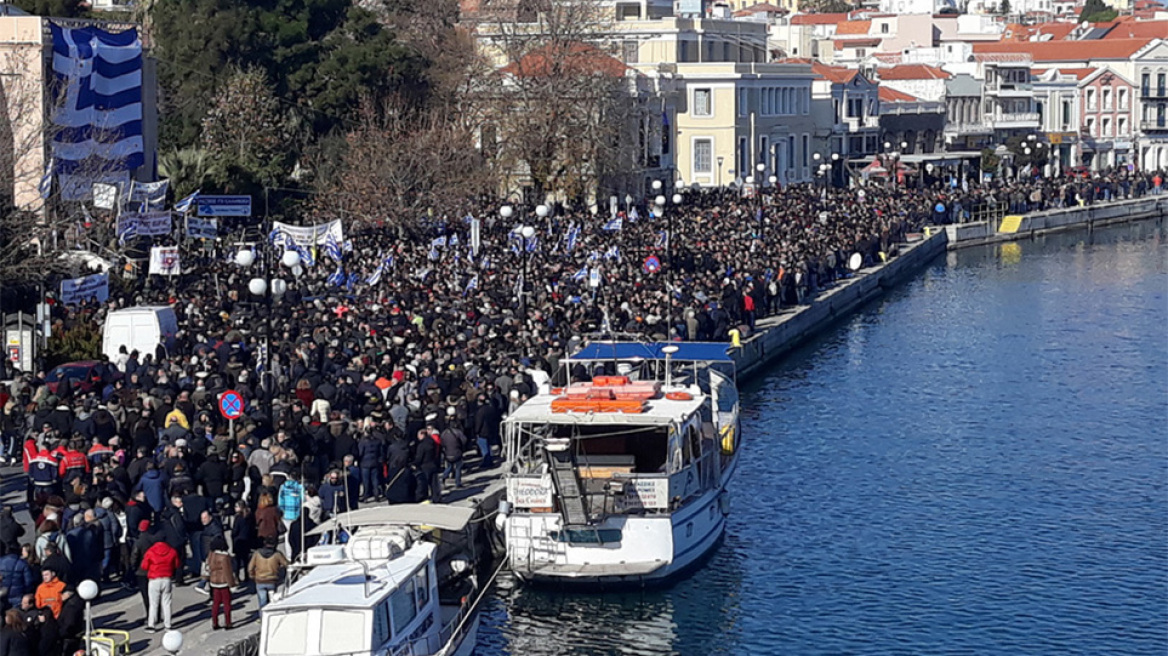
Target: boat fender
x=728, y=442
x=724, y=503
x=679, y=396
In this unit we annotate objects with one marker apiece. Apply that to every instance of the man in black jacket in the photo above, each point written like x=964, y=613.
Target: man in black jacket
x=428, y=463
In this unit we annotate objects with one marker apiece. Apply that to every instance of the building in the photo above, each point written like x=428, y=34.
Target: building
x=914, y=124
x=847, y=112
x=1107, y=102
x=35, y=137
x=966, y=127
x=1150, y=66
x=1056, y=97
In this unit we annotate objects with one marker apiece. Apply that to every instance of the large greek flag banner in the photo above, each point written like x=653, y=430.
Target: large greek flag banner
x=99, y=113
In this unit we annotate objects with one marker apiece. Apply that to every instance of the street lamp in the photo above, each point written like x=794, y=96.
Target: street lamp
x=542, y=212
x=88, y=591
x=526, y=232
x=172, y=641
x=267, y=288
x=677, y=198
x=506, y=211
x=720, y=158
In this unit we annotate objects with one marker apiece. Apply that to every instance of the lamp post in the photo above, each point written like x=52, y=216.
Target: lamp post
x=720, y=159
x=172, y=642
x=542, y=211
x=268, y=289
x=527, y=232
x=835, y=177
x=677, y=198
x=88, y=591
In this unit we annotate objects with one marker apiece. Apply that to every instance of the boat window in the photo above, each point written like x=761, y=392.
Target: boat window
x=405, y=608
x=647, y=445
x=727, y=393
x=381, y=633
x=287, y=634
x=343, y=632
x=422, y=586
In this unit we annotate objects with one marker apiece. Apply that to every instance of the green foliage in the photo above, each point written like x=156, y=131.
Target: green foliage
x=319, y=56
x=245, y=133
x=989, y=161
x=830, y=6
x=81, y=342
x=1096, y=11
x=55, y=8
x=188, y=170
x=1004, y=8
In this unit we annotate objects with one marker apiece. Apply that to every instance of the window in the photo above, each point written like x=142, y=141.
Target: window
x=1123, y=99
x=287, y=634
x=342, y=632
x=855, y=107
x=422, y=586
x=763, y=147
x=381, y=632
x=861, y=52
x=1121, y=127
x=1160, y=84
x=743, y=100
x=791, y=151
x=806, y=149
x=884, y=28
x=703, y=102
x=1066, y=114
x=1107, y=99
x=1092, y=103
x=1106, y=127
x=683, y=51
x=631, y=52
x=1091, y=127
x=404, y=607
x=703, y=156
x=1145, y=83
x=744, y=168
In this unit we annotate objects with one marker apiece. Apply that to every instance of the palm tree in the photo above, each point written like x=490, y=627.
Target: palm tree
x=188, y=169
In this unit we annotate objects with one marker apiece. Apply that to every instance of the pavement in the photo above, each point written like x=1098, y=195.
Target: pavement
x=116, y=608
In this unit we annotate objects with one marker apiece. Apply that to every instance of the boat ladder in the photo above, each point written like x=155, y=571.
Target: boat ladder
x=567, y=485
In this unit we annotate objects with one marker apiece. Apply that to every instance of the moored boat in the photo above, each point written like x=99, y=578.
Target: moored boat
x=388, y=583
x=619, y=477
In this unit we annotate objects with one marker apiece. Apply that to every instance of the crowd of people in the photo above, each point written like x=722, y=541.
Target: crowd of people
x=381, y=376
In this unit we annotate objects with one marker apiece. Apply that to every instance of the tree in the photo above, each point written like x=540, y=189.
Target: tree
x=1004, y=8
x=1096, y=11
x=399, y=165
x=245, y=133
x=55, y=8
x=320, y=56
x=187, y=169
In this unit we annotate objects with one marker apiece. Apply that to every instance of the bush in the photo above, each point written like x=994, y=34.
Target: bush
x=81, y=342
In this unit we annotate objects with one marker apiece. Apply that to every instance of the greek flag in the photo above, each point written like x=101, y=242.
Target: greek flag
x=388, y=261
x=573, y=237
x=307, y=256
x=347, y=246
x=633, y=215
x=353, y=279
x=473, y=284
x=614, y=224
x=593, y=256
x=100, y=116
x=184, y=205
x=46, y=186
x=612, y=253
x=376, y=277
x=261, y=358
x=514, y=247
x=533, y=244
x=338, y=277
x=332, y=248
x=662, y=239
x=581, y=274
x=453, y=240
x=439, y=242
x=434, y=253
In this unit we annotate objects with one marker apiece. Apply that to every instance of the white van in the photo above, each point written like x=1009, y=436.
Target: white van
x=138, y=328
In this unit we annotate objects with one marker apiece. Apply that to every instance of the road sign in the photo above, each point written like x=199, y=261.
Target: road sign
x=224, y=205
x=231, y=405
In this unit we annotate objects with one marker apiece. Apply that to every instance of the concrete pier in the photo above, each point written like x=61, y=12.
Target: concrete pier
x=1028, y=226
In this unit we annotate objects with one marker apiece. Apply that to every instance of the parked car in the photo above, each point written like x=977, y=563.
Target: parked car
x=84, y=376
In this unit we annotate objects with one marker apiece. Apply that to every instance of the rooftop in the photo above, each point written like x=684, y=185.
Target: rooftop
x=1065, y=51
x=913, y=72
x=888, y=94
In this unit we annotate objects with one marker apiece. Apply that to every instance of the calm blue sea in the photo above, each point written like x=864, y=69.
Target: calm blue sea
x=975, y=464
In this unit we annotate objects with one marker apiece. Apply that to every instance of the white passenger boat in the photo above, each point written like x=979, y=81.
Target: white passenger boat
x=621, y=478
x=389, y=589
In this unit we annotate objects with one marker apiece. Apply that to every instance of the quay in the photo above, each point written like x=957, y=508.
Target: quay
x=773, y=337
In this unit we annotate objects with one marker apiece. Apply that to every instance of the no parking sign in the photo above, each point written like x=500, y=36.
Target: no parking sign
x=231, y=405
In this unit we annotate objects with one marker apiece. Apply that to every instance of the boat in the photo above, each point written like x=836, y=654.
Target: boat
x=619, y=477
x=389, y=581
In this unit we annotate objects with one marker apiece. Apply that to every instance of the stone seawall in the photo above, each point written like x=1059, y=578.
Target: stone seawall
x=777, y=335
x=1040, y=223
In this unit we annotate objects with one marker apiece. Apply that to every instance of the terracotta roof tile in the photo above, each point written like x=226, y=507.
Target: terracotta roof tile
x=1138, y=30
x=913, y=72
x=1058, y=51
x=574, y=58
x=853, y=27
x=888, y=94
x=835, y=74
x=818, y=19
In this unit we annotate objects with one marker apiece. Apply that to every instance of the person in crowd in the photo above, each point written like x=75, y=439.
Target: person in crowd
x=221, y=579
x=267, y=569
x=14, y=635
x=161, y=564
x=50, y=593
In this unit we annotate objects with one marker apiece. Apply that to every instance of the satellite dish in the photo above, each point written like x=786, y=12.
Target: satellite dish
x=855, y=261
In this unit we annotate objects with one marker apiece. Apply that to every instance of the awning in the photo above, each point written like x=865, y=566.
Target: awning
x=447, y=518
x=686, y=351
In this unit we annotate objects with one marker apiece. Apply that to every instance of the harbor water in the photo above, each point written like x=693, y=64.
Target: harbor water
x=974, y=464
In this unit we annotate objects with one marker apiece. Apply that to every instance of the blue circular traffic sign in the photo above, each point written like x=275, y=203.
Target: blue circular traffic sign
x=231, y=405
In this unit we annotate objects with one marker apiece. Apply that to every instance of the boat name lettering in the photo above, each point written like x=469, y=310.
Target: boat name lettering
x=646, y=493
x=533, y=492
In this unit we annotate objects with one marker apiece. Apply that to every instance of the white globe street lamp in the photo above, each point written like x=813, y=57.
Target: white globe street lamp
x=506, y=211
x=290, y=259
x=88, y=590
x=257, y=286
x=172, y=641
x=677, y=199
x=656, y=185
x=245, y=257
x=541, y=211
x=660, y=201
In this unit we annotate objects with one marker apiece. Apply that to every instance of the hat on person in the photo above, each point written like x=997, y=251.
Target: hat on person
x=144, y=526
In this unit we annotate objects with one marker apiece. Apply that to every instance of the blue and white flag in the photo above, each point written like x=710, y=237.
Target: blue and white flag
x=352, y=280
x=46, y=186
x=100, y=115
x=376, y=275
x=438, y=242
x=533, y=244
x=612, y=253
x=332, y=248
x=515, y=247
x=261, y=358
x=388, y=261
x=185, y=204
x=453, y=240
x=347, y=246
x=580, y=275
x=662, y=239
x=434, y=255
x=573, y=237
x=307, y=256
x=472, y=285
x=338, y=278
x=593, y=256
x=614, y=224
x=633, y=215
x=152, y=195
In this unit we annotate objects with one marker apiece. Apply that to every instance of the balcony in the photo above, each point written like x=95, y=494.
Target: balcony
x=1014, y=120
x=1011, y=90
x=1154, y=92
x=1155, y=125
